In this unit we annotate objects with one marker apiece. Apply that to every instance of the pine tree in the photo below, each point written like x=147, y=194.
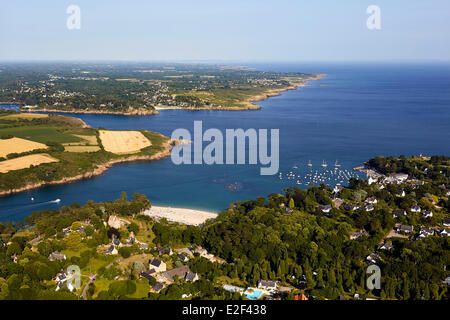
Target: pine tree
x=291, y=203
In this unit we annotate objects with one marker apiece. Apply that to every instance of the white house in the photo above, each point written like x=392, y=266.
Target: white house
x=371, y=200
x=111, y=250
x=427, y=214
x=446, y=222
x=401, y=193
x=158, y=265
x=326, y=208
x=267, y=285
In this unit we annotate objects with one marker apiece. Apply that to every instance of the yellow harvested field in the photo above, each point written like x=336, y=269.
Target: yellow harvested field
x=25, y=162
x=92, y=140
x=18, y=145
x=81, y=148
x=122, y=142
x=26, y=116
x=87, y=141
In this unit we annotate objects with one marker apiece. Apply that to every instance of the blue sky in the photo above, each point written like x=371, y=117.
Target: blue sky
x=226, y=30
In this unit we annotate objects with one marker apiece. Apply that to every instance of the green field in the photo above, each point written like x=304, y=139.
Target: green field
x=41, y=134
x=83, y=155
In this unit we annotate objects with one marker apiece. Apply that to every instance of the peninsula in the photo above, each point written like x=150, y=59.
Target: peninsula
x=41, y=149
x=142, y=89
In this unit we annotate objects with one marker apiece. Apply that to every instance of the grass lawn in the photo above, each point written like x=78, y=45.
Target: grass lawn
x=75, y=253
x=101, y=284
x=138, y=257
x=41, y=134
x=142, y=289
x=24, y=116
x=95, y=264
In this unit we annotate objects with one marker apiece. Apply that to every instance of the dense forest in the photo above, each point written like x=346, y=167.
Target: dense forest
x=284, y=237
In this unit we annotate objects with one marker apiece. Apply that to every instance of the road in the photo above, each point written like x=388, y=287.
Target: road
x=86, y=288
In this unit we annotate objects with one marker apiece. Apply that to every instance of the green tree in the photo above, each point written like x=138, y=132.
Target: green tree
x=4, y=289
x=13, y=249
x=291, y=203
x=73, y=241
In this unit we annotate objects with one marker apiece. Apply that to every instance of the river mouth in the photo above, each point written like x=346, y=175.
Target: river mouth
x=356, y=113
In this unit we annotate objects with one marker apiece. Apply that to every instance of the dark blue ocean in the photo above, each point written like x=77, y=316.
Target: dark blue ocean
x=357, y=112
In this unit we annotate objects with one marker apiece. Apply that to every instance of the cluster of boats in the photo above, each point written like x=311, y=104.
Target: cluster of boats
x=335, y=176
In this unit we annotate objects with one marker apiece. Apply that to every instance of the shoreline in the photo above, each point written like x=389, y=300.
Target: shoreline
x=181, y=215
x=249, y=102
x=277, y=92
x=102, y=168
x=134, y=113
x=167, y=146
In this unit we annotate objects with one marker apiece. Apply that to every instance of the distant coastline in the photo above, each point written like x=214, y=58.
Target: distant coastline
x=134, y=113
x=249, y=103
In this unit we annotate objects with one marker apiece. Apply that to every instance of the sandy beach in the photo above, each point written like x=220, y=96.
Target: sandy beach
x=180, y=215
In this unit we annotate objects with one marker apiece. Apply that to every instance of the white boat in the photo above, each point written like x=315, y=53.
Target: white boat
x=324, y=164
x=32, y=199
x=56, y=201
x=336, y=164
x=309, y=163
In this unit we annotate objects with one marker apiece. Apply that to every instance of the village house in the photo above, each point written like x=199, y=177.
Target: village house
x=191, y=276
x=350, y=207
x=425, y=232
x=115, y=222
x=157, y=265
x=61, y=278
x=371, y=200
x=415, y=209
x=33, y=242
x=158, y=287
x=399, y=177
x=359, y=234
x=300, y=296
x=373, y=258
x=401, y=228
x=162, y=250
x=183, y=258
x=182, y=272
x=386, y=246
x=446, y=281
x=56, y=256
x=446, y=222
x=62, y=285
x=380, y=186
x=401, y=193
x=147, y=274
x=288, y=210
x=427, y=214
x=444, y=232
x=267, y=285
x=399, y=213
x=111, y=250
x=66, y=231
x=369, y=208
x=130, y=241
x=325, y=208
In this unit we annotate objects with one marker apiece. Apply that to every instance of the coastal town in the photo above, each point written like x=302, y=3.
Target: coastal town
x=130, y=249
x=141, y=89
